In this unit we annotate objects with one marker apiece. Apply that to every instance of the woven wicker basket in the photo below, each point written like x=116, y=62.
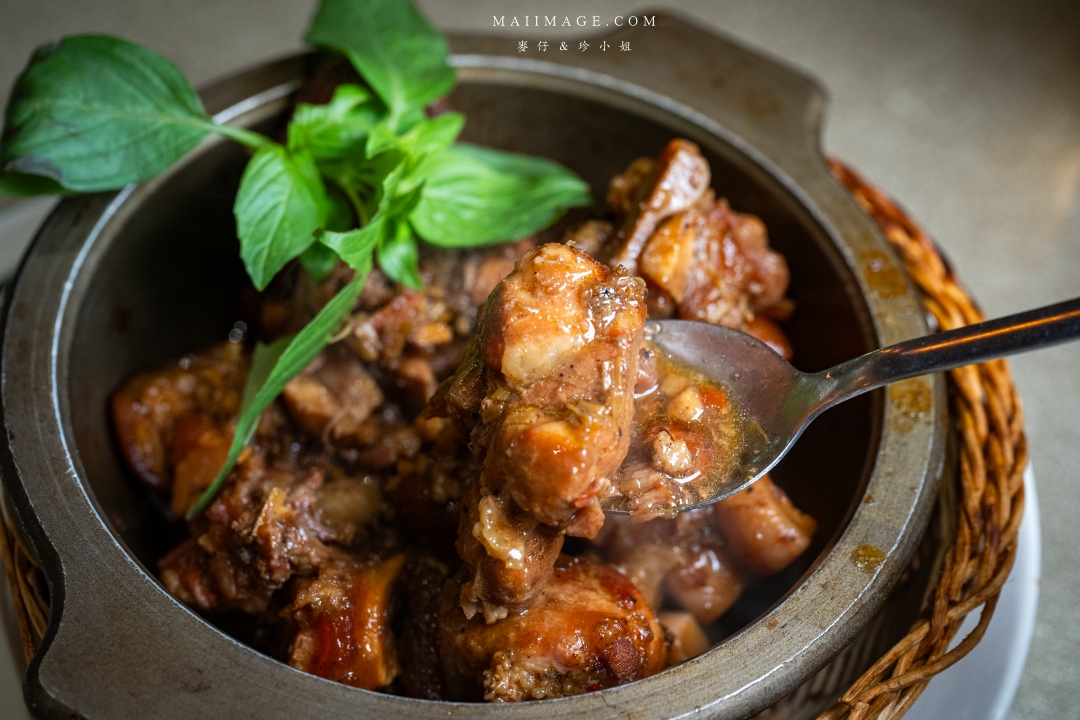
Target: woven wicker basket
x=983, y=514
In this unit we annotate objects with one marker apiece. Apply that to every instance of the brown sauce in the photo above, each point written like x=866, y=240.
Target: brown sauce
x=419, y=513
x=685, y=440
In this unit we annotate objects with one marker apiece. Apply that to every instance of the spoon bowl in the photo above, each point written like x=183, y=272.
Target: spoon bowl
x=775, y=402
x=769, y=394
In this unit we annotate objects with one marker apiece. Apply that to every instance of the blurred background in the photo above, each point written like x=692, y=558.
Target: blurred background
x=966, y=111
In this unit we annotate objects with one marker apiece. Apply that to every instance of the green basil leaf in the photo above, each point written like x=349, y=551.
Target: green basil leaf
x=280, y=205
x=263, y=360
x=434, y=135
x=399, y=256
x=362, y=177
x=392, y=46
x=410, y=119
x=339, y=214
x=355, y=247
x=424, y=138
x=382, y=138
x=338, y=128
x=272, y=367
x=96, y=113
x=475, y=196
x=405, y=199
x=25, y=185
x=319, y=261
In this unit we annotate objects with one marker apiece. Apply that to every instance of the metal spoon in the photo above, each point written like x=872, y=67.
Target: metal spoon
x=778, y=401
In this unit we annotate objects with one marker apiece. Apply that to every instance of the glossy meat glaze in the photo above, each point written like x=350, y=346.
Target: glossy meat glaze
x=399, y=519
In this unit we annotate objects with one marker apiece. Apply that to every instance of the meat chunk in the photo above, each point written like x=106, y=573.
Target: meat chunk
x=464, y=279
x=707, y=583
x=382, y=336
x=702, y=560
x=428, y=490
x=715, y=265
x=416, y=380
x=770, y=333
x=688, y=639
x=147, y=408
x=559, y=340
x=652, y=191
x=348, y=505
x=734, y=273
x=333, y=396
x=687, y=557
x=701, y=260
x=546, y=394
x=764, y=529
x=263, y=528
x=342, y=622
x=413, y=339
x=383, y=440
x=198, y=449
x=483, y=275
x=767, y=276
x=591, y=236
x=589, y=628
x=509, y=554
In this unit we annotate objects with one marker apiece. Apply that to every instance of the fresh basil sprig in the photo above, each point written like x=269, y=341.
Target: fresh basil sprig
x=280, y=205
x=359, y=180
x=392, y=46
x=96, y=113
x=338, y=129
x=476, y=196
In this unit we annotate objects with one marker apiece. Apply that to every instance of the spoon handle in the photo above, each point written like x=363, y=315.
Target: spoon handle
x=971, y=344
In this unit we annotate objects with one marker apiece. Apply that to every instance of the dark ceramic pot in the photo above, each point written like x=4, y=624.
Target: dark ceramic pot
x=119, y=282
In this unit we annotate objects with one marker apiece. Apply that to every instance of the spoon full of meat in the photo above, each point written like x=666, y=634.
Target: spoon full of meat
x=774, y=402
